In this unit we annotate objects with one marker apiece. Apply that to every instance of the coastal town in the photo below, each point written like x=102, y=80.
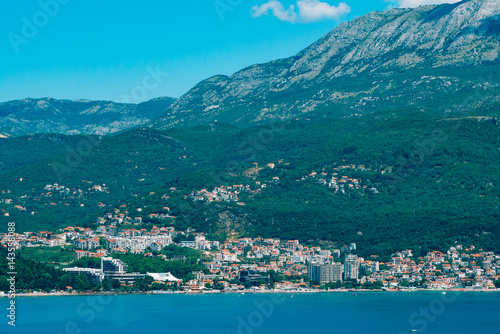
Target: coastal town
x=263, y=264
x=235, y=263
x=245, y=167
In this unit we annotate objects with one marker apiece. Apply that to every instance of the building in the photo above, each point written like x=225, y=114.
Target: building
x=325, y=273
x=351, y=267
x=156, y=246
x=94, y=275
x=179, y=258
x=113, y=266
x=190, y=244
x=375, y=267
x=116, y=269
x=163, y=277
x=228, y=256
x=199, y=275
x=80, y=253
x=253, y=277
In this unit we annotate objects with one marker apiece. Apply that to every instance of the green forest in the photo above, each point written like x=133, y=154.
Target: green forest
x=436, y=177
x=36, y=275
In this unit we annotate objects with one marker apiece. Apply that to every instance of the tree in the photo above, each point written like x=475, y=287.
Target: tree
x=405, y=284
x=115, y=284
x=497, y=283
x=126, y=288
x=178, y=238
x=218, y=285
x=97, y=287
x=102, y=242
x=64, y=281
x=261, y=282
x=82, y=283
x=274, y=277
x=141, y=285
x=88, y=262
x=106, y=285
x=363, y=272
x=333, y=285
x=349, y=284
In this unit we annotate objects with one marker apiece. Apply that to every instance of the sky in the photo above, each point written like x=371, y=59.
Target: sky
x=131, y=51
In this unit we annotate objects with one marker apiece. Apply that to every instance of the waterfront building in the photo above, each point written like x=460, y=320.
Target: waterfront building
x=351, y=267
x=94, y=275
x=117, y=269
x=113, y=266
x=324, y=273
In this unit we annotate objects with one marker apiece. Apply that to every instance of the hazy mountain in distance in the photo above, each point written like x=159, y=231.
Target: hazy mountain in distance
x=47, y=115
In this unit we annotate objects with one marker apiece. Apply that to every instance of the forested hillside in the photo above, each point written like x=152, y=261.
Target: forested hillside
x=384, y=181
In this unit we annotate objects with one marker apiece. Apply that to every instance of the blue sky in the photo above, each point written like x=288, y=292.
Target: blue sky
x=130, y=51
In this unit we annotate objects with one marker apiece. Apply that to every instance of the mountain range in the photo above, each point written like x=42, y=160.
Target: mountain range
x=405, y=102
x=427, y=58
x=47, y=115
x=381, y=61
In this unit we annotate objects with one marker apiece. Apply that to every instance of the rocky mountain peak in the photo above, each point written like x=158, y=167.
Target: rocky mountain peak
x=377, y=45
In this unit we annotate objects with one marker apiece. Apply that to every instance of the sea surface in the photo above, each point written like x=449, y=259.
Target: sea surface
x=346, y=312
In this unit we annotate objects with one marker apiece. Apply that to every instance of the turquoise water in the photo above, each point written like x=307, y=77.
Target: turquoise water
x=428, y=312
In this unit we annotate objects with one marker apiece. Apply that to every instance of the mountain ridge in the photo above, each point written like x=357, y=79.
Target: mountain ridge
x=380, y=61
x=379, y=46
x=74, y=117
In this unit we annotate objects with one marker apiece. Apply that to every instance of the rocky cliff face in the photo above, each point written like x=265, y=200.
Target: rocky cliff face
x=384, y=60
x=28, y=116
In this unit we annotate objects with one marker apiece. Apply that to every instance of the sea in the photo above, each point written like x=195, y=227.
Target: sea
x=249, y=313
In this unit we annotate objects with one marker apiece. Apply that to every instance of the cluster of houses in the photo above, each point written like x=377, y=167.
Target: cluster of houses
x=230, y=193
x=57, y=189
x=58, y=195
x=35, y=239
x=53, y=195
x=341, y=183
x=61, y=188
x=251, y=259
x=222, y=193
x=119, y=217
x=458, y=268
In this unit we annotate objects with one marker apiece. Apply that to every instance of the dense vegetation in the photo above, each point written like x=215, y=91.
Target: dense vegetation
x=35, y=275
x=49, y=254
x=441, y=189
x=141, y=264
x=35, y=148
x=440, y=183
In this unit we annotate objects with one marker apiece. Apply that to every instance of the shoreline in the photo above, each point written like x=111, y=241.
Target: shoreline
x=217, y=292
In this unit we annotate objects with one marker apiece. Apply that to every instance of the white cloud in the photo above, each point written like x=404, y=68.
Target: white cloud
x=277, y=9
x=314, y=10
x=308, y=11
x=416, y=3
